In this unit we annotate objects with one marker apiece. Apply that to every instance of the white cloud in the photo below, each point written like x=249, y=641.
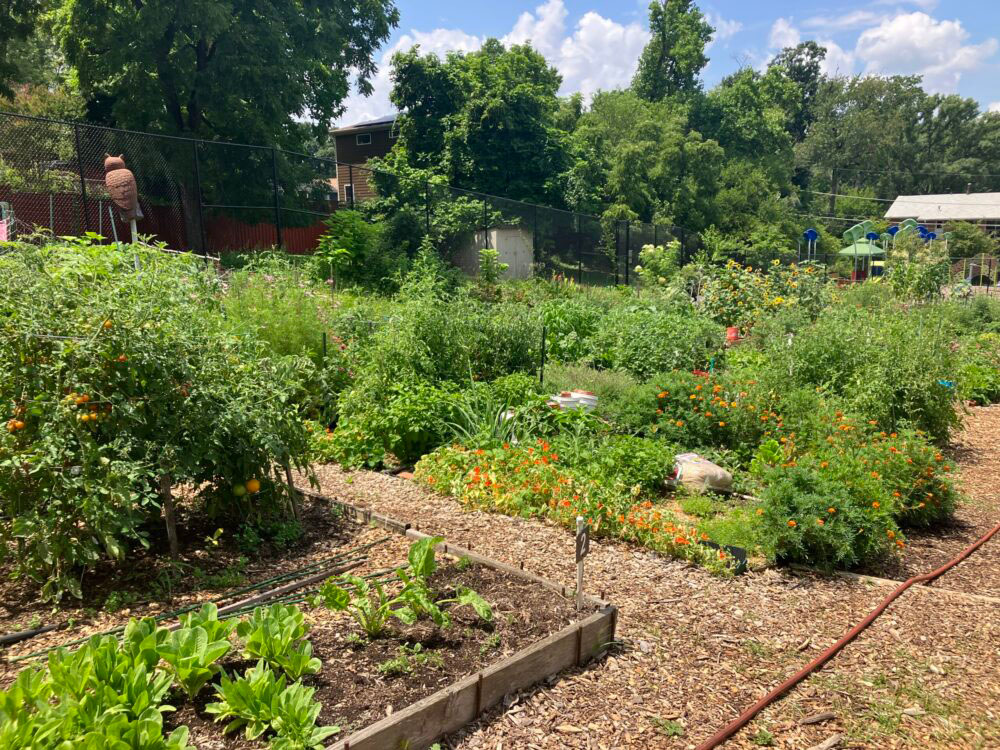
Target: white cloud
x=724, y=28
x=598, y=54
x=838, y=61
x=994, y=107
x=854, y=20
x=783, y=34
x=916, y=43
x=545, y=28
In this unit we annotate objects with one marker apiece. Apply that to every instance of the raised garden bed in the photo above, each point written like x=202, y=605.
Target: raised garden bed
x=416, y=681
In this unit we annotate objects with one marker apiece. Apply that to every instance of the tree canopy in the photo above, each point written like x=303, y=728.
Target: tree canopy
x=237, y=70
x=487, y=118
x=675, y=55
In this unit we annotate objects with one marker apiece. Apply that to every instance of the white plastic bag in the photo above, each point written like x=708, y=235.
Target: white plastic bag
x=701, y=474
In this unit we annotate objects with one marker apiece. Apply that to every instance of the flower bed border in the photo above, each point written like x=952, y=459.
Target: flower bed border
x=420, y=724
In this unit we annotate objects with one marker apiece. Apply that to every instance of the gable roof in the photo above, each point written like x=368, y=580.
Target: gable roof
x=946, y=207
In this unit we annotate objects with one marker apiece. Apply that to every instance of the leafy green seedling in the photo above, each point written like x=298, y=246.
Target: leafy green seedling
x=191, y=657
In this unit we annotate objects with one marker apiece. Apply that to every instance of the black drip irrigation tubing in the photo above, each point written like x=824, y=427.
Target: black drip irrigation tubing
x=342, y=562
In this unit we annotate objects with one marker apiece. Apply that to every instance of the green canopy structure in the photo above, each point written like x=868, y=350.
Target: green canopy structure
x=863, y=249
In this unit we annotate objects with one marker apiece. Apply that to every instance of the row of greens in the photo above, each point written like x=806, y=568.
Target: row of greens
x=113, y=694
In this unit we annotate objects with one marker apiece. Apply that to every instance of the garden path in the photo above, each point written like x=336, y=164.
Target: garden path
x=698, y=649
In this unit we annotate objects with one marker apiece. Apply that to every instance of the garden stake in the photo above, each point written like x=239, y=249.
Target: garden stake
x=541, y=367
x=166, y=496
x=291, y=485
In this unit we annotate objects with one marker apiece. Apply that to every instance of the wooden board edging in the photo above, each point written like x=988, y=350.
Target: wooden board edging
x=422, y=723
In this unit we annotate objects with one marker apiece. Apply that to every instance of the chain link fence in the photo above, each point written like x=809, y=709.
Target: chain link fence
x=214, y=198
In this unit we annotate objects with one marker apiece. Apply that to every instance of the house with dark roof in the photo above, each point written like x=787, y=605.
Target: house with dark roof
x=357, y=144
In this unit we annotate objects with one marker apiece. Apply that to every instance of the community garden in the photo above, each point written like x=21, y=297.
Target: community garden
x=161, y=407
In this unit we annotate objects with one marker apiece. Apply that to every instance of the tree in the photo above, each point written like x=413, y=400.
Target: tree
x=801, y=65
x=644, y=157
x=238, y=70
x=748, y=113
x=487, y=118
x=17, y=22
x=675, y=55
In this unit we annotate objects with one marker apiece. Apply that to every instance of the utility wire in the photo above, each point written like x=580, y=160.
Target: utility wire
x=995, y=204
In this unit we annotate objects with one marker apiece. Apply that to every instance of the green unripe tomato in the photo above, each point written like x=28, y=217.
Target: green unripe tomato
x=239, y=490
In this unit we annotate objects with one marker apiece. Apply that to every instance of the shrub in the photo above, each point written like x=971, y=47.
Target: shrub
x=629, y=405
x=659, y=263
x=644, y=341
x=120, y=378
x=569, y=323
x=273, y=299
x=735, y=295
x=620, y=461
x=825, y=513
x=895, y=367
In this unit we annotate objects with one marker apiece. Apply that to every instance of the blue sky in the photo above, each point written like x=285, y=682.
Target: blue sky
x=595, y=43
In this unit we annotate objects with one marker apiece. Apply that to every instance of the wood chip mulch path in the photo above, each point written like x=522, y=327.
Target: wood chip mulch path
x=698, y=649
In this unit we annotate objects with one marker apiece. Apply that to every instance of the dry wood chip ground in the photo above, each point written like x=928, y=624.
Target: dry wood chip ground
x=698, y=649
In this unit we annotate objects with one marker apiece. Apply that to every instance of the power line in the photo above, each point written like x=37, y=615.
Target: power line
x=904, y=198
x=904, y=172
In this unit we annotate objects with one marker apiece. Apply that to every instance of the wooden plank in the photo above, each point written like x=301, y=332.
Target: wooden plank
x=422, y=723
x=419, y=724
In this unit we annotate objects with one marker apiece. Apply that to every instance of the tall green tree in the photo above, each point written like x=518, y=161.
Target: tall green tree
x=231, y=69
x=801, y=65
x=17, y=22
x=675, y=55
x=485, y=119
x=642, y=159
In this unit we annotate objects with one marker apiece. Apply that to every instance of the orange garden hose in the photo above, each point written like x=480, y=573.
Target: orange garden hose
x=744, y=718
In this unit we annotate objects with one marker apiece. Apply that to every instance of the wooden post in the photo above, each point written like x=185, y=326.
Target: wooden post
x=167, y=498
x=292, y=492
x=579, y=565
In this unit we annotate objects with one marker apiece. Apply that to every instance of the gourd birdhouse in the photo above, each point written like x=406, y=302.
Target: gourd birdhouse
x=121, y=187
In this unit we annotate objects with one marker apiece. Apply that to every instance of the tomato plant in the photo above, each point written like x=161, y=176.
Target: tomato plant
x=126, y=377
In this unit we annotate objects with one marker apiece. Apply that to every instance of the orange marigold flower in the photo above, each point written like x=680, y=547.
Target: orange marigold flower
x=659, y=411
x=876, y=504
x=872, y=421
x=679, y=423
x=565, y=503
x=760, y=511
x=891, y=534
x=479, y=451
x=900, y=544
x=661, y=394
x=681, y=540
x=875, y=475
x=897, y=493
x=823, y=464
x=722, y=424
x=692, y=397
x=697, y=387
x=621, y=519
x=792, y=523
x=820, y=522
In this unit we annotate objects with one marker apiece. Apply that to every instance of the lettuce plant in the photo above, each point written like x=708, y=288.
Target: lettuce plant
x=277, y=635
x=191, y=657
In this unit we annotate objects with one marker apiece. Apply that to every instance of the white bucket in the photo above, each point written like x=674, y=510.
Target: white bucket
x=585, y=399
